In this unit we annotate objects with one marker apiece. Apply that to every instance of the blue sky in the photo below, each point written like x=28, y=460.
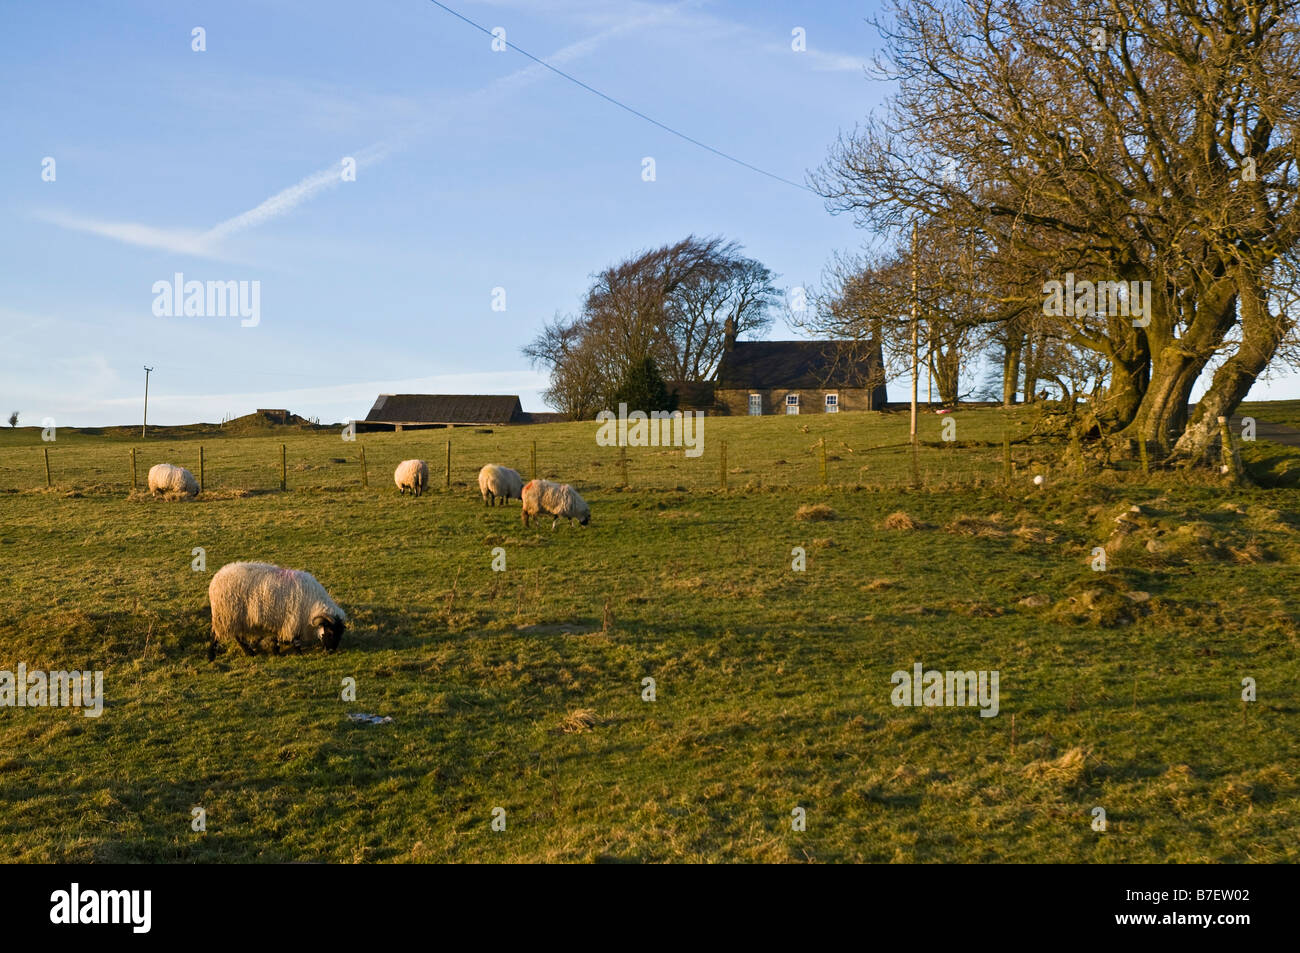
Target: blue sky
x=476, y=170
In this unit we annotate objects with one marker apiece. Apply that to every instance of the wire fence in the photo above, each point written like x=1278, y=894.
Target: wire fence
x=319, y=463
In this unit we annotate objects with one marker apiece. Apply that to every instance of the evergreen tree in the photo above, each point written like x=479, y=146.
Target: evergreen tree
x=643, y=388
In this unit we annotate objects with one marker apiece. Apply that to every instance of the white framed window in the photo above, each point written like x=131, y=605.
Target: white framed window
x=792, y=403
x=832, y=403
x=756, y=405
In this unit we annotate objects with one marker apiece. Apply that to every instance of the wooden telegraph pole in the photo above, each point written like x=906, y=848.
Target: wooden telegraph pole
x=916, y=463
x=915, y=327
x=145, y=423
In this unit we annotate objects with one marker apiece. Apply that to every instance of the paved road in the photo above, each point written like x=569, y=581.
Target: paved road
x=1264, y=430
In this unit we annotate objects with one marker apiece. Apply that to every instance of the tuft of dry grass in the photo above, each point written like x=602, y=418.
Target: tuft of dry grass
x=814, y=511
x=900, y=520
x=679, y=515
x=1064, y=771
x=973, y=526
x=578, y=721
x=1033, y=534
x=1252, y=552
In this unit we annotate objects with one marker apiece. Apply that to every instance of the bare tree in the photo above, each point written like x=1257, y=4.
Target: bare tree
x=869, y=300
x=577, y=387
x=1090, y=136
x=670, y=305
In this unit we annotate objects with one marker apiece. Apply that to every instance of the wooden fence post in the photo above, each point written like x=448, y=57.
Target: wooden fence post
x=200, y=468
x=1231, y=459
x=533, y=472
x=823, y=449
x=722, y=468
x=284, y=473
x=622, y=462
x=1006, y=456
x=364, y=481
x=447, y=482
x=1142, y=454
x=133, y=480
x=46, y=451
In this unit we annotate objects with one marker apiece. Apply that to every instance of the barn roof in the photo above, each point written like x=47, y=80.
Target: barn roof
x=798, y=364
x=446, y=409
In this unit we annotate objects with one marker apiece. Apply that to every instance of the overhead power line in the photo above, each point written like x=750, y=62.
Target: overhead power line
x=624, y=106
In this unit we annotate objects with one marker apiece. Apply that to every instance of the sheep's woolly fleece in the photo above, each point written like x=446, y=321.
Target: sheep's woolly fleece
x=499, y=483
x=252, y=599
x=166, y=478
x=411, y=475
x=560, y=501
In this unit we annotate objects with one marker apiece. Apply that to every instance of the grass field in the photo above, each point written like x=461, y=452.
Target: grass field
x=523, y=689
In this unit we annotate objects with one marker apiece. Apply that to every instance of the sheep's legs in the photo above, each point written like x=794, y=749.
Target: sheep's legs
x=244, y=645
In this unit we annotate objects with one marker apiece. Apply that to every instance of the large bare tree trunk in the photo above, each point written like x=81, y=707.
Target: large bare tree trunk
x=1163, y=413
x=1177, y=362
x=1261, y=333
x=1130, y=374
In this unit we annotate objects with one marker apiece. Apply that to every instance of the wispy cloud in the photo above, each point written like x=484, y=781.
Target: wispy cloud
x=183, y=240
x=286, y=200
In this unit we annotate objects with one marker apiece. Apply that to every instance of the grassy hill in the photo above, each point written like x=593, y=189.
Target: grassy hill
x=523, y=689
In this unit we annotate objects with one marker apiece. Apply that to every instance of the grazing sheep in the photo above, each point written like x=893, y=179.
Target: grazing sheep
x=165, y=478
x=411, y=475
x=554, y=499
x=499, y=483
x=253, y=600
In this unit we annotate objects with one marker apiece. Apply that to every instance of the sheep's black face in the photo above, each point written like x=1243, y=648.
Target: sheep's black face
x=585, y=520
x=330, y=632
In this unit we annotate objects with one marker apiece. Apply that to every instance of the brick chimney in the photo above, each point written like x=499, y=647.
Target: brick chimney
x=729, y=334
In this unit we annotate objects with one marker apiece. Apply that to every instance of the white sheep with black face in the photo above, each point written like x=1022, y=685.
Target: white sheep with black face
x=559, y=500
x=499, y=483
x=166, y=479
x=411, y=475
x=251, y=601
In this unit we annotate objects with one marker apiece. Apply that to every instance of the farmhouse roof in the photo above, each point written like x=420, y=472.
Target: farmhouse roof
x=799, y=365
x=446, y=409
